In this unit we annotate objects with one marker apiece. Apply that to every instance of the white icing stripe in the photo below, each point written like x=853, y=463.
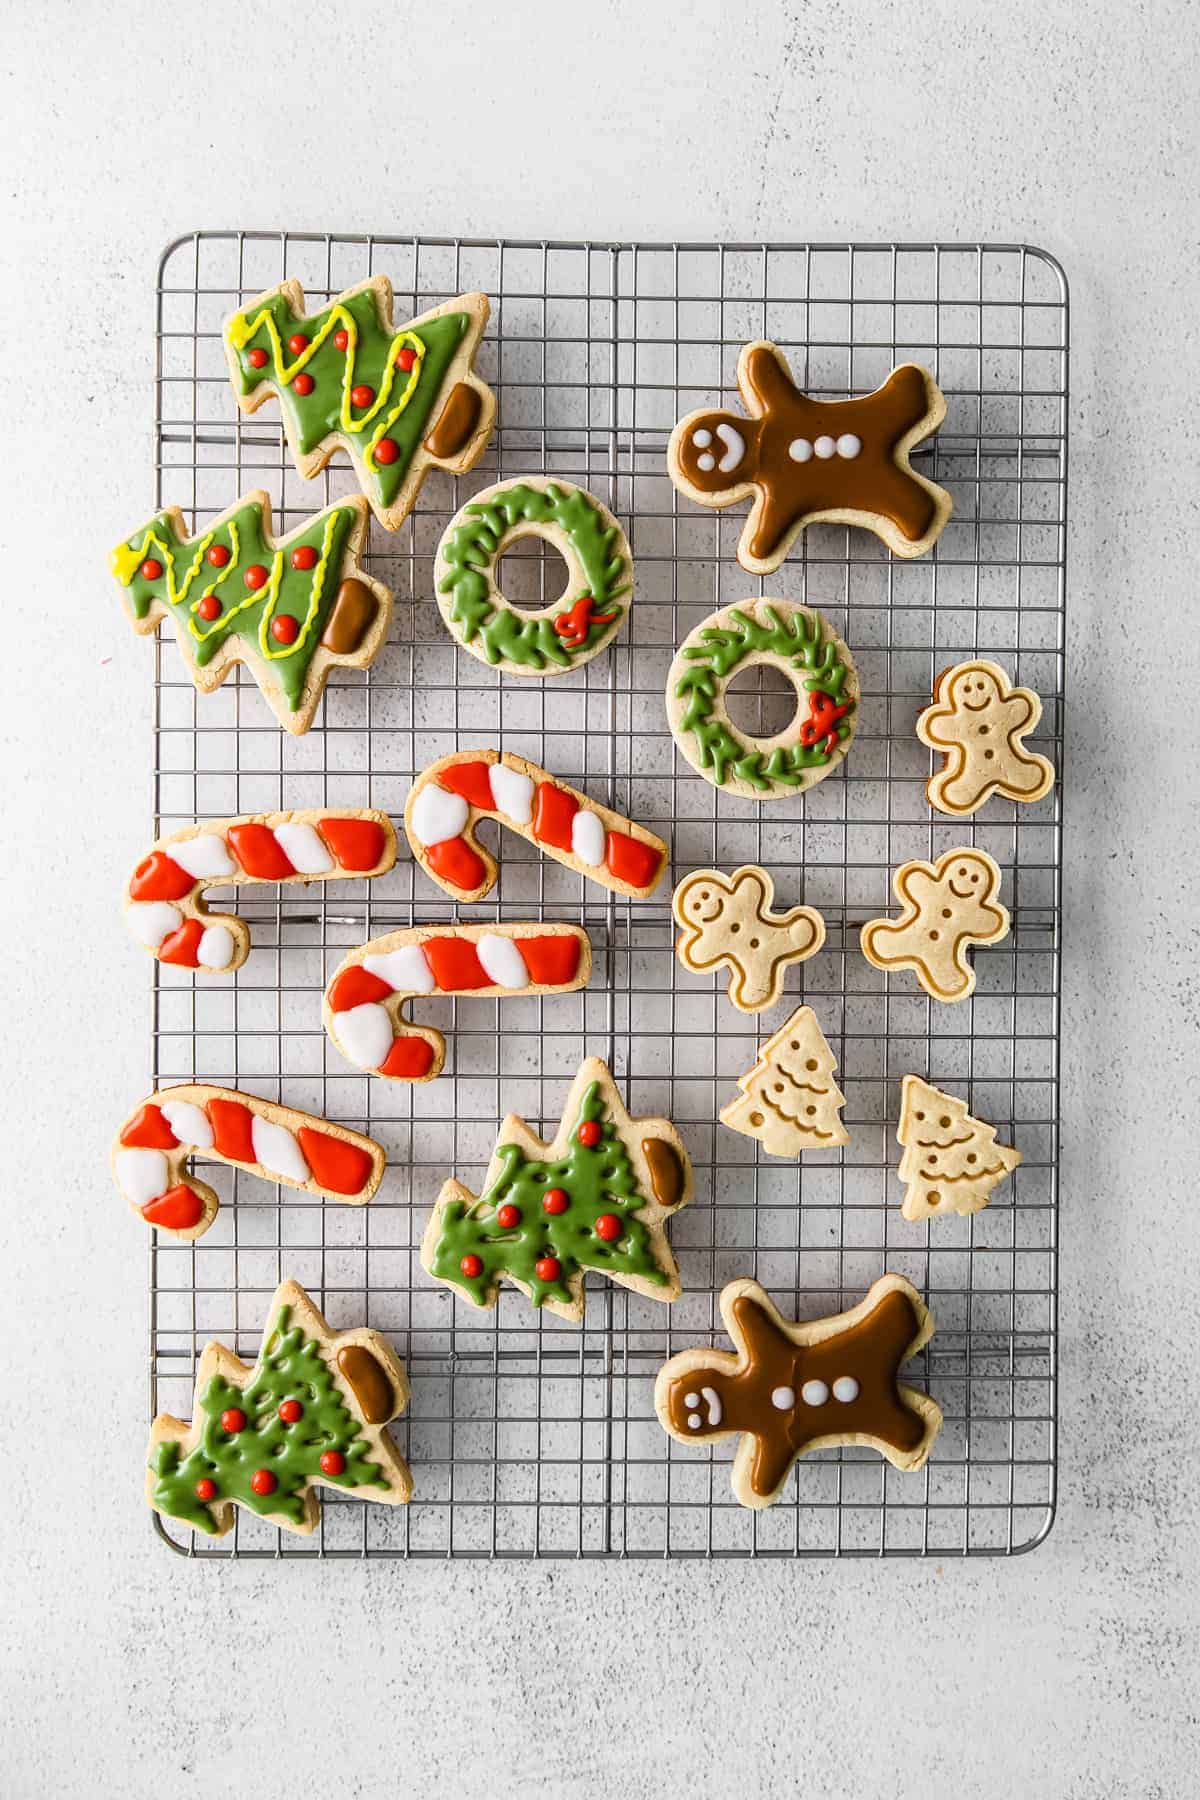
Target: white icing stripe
x=204, y=857
x=715, y=1413
x=188, y=1122
x=142, y=1174
x=513, y=793
x=216, y=947
x=502, y=961
x=365, y=1034
x=735, y=447
x=587, y=838
x=152, y=920
x=276, y=1149
x=438, y=814
x=406, y=970
x=303, y=849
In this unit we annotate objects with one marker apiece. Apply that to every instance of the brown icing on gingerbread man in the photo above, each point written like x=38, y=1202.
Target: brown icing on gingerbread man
x=948, y=905
x=790, y=1388
x=803, y=460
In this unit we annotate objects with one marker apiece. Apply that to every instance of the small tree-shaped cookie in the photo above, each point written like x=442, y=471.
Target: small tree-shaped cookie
x=951, y=1161
x=789, y=1100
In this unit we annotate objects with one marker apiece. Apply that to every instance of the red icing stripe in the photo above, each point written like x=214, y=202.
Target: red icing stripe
x=182, y=946
x=408, y=1059
x=354, y=987
x=473, y=780
x=551, y=961
x=455, y=862
x=553, y=811
x=338, y=1167
x=455, y=964
x=148, y=1130
x=159, y=878
x=632, y=861
x=357, y=843
x=231, y=1123
x=178, y=1209
x=259, y=852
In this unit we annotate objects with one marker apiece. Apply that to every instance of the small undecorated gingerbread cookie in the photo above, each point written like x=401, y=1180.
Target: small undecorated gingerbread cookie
x=947, y=906
x=951, y=1161
x=789, y=1099
x=979, y=721
x=728, y=919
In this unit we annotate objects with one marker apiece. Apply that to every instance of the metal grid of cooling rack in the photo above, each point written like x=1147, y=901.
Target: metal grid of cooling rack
x=529, y=1437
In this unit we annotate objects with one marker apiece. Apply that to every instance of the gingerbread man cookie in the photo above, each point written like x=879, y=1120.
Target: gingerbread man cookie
x=978, y=721
x=728, y=919
x=948, y=905
x=791, y=1388
x=802, y=460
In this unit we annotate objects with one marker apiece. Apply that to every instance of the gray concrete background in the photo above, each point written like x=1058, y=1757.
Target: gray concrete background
x=1067, y=1674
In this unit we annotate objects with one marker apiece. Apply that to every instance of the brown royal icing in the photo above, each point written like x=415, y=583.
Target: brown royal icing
x=666, y=1172
x=368, y=1383
x=867, y=481
x=354, y=610
x=456, y=421
x=761, y=1390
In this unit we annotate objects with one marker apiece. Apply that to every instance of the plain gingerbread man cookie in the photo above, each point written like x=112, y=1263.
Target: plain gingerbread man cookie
x=948, y=905
x=728, y=919
x=978, y=720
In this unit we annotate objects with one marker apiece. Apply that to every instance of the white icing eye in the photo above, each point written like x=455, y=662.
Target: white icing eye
x=694, y=1421
x=845, y=1389
x=706, y=462
x=783, y=1398
x=848, y=445
x=702, y=439
x=800, y=450
x=825, y=448
x=814, y=1393
x=691, y=1400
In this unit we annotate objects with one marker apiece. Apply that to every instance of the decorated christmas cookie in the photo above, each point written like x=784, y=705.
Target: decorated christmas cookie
x=978, y=721
x=365, y=1001
x=278, y=1143
x=789, y=1099
x=951, y=1161
x=802, y=460
x=311, y=1412
x=729, y=919
x=791, y=1388
x=946, y=907
x=450, y=797
x=596, y=1197
x=787, y=636
x=400, y=400
x=572, y=629
x=292, y=611
x=164, y=904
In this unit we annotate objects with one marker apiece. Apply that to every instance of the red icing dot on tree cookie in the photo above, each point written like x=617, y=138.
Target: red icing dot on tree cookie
x=210, y=607
x=555, y=1200
x=297, y=343
x=471, y=1266
x=263, y=1482
x=589, y=1134
x=332, y=1462
x=362, y=395
x=386, y=451
x=206, y=1489
x=151, y=569
x=341, y=339
x=508, y=1217
x=257, y=359
x=256, y=577
x=547, y=1268
x=285, y=629
x=290, y=1411
x=218, y=555
x=233, y=1420
x=304, y=556
x=303, y=384
x=608, y=1227
x=405, y=358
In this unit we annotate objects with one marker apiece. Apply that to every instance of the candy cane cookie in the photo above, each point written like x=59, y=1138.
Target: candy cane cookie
x=164, y=903
x=278, y=1143
x=365, y=1001
x=450, y=797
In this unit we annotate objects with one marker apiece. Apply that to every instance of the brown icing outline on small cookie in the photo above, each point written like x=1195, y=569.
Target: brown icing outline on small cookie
x=736, y=925
x=951, y=1159
x=939, y=922
x=790, y=1096
x=977, y=723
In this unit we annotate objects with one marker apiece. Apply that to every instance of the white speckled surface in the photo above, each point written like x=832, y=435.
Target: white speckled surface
x=1067, y=1674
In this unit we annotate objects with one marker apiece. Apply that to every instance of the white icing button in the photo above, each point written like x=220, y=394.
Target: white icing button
x=694, y=1421
x=142, y=1174
x=587, y=838
x=691, y=1399
x=702, y=438
x=152, y=920
x=814, y=1393
x=784, y=1398
x=365, y=1034
x=845, y=1389
x=277, y=1150
x=303, y=849
x=512, y=793
x=406, y=970
x=825, y=448
x=715, y=1410
x=800, y=450
x=502, y=961
x=438, y=815
x=206, y=856
x=706, y=462
x=735, y=447
x=188, y=1122
x=216, y=947
x=848, y=445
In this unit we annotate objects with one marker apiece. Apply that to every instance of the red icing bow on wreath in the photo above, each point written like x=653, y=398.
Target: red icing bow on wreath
x=823, y=715
x=573, y=625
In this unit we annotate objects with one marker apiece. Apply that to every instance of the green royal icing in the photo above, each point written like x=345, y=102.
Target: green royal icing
x=188, y=577
x=470, y=553
x=315, y=416
x=290, y=1367
x=805, y=646
x=596, y=1181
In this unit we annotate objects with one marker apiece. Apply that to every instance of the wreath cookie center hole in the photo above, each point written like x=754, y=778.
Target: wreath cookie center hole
x=761, y=701
x=532, y=573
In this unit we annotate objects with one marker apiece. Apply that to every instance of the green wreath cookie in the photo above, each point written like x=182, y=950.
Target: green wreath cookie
x=793, y=638
x=569, y=632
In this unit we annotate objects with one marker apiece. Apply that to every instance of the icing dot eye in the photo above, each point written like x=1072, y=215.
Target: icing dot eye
x=945, y=1124
x=945, y=912
x=848, y=445
x=702, y=438
x=783, y=1398
x=920, y=1115
x=845, y=1389
x=933, y=937
x=691, y=1401
x=971, y=1156
x=693, y=1421
x=800, y=450
x=706, y=462
x=825, y=448
x=754, y=943
x=814, y=1393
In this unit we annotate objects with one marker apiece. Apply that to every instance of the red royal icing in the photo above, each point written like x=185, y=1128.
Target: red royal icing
x=263, y=1482
x=256, y=577
x=386, y=451
x=355, y=987
x=553, y=810
x=471, y=1266
x=589, y=1134
x=362, y=395
x=158, y=878
x=473, y=780
x=405, y=358
x=304, y=556
x=304, y=384
x=233, y=1420
x=551, y=961
x=608, y=1227
x=210, y=607
x=555, y=1200
x=408, y=1059
x=259, y=852
x=285, y=629
x=456, y=863
x=332, y=1462
x=356, y=843
x=632, y=861
x=257, y=359
x=297, y=343
x=206, y=1488
x=182, y=946
x=177, y=1210
x=148, y=1130
x=232, y=1123
x=151, y=569
x=338, y=1167
x=508, y=1217
x=548, y=1268
x=291, y=1410
x=218, y=555
x=455, y=964
x=342, y=339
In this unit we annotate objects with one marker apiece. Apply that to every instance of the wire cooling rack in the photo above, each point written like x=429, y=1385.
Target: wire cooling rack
x=529, y=1437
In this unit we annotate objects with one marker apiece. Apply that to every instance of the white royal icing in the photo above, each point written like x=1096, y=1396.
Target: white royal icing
x=706, y=462
x=276, y=1149
x=152, y=920
x=303, y=849
x=694, y=1421
x=735, y=447
x=845, y=1389
x=800, y=450
x=502, y=961
x=406, y=970
x=691, y=1400
x=587, y=838
x=513, y=793
x=216, y=947
x=848, y=445
x=188, y=1122
x=783, y=1398
x=702, y=438
x=438, y=814
x=142, y=1174
x=204, y=857
x=365, y=1034
x=715, y=1413
x=814, y=1393
x=825, y=448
